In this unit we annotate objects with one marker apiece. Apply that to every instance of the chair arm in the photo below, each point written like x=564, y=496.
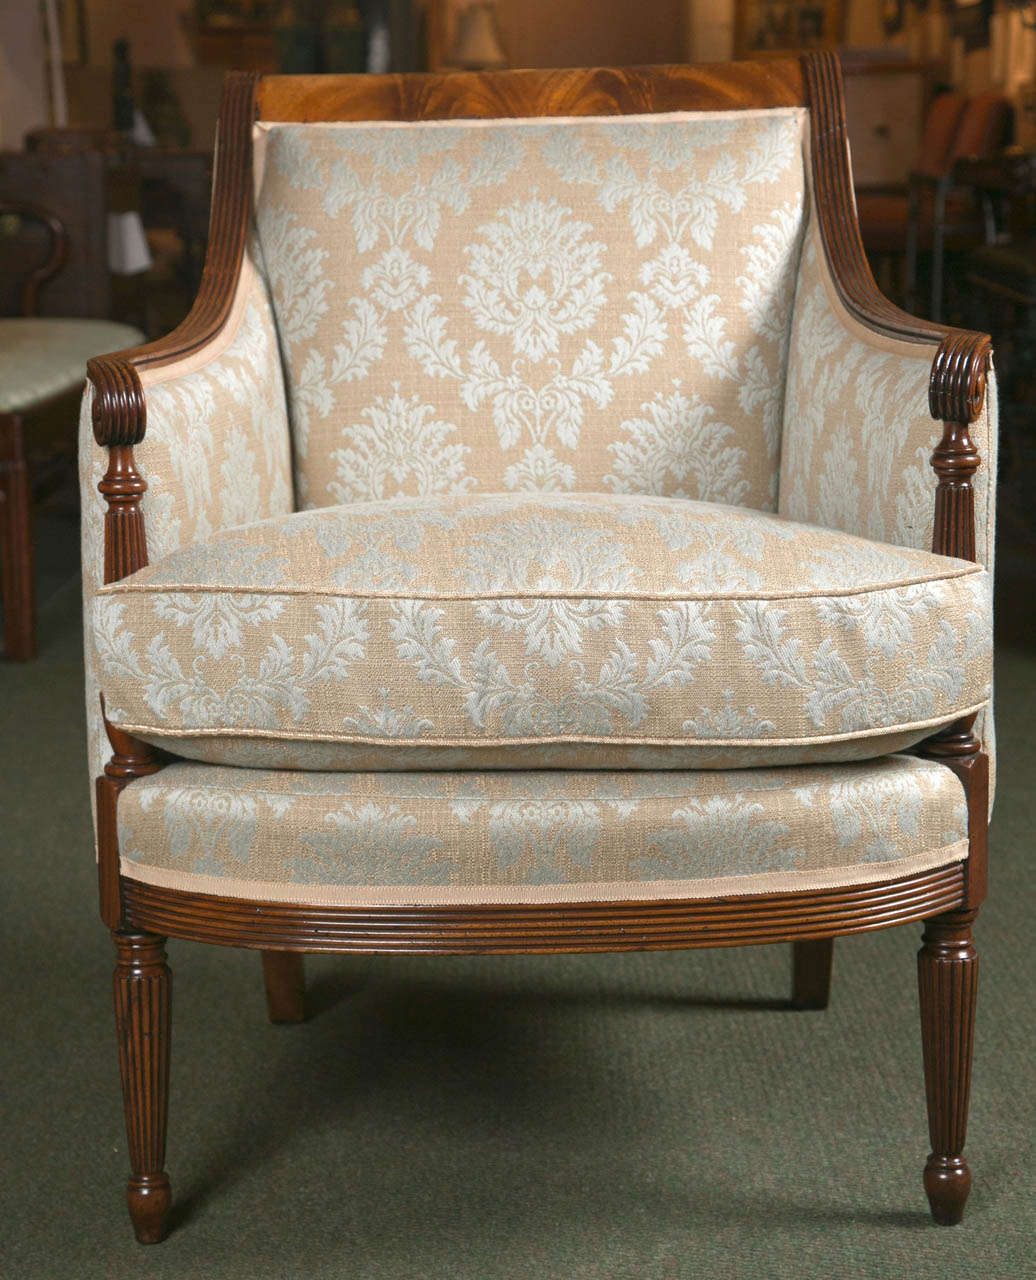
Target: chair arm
x=119, y=417
x=860, y=451
x=198, y=419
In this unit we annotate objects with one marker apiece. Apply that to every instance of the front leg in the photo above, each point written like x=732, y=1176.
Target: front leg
x=947, y=974
x=142, y=984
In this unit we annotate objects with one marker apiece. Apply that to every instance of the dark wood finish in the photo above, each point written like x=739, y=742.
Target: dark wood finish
x=503, y=94
x=120, y=410
x=142, y=989
x=72, y=189
x=550, y=927
x=17, y=574
x=57, y=250
x=17, y=578
x=811, y=973
x=130, y=759
x=285, y=982
x=947, y=976
x=125, y=542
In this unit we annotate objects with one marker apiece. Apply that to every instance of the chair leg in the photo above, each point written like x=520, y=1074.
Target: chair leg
x=142, y=986
x=811, y=973
x=285, y=981
x=947, y=975
x=17, y=580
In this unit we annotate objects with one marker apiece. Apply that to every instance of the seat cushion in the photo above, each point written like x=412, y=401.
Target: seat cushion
x=536, y=629
x=41, y=357
x=358, y=839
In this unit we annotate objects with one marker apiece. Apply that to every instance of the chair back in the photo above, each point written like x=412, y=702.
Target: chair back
x=553, y=302
x=986, y=126
x=940, y=130
x=71, y=188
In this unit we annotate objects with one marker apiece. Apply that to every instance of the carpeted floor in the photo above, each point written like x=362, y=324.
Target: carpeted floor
x=641, y=1116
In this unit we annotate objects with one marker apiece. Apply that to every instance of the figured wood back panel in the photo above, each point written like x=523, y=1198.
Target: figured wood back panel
x=503, y=94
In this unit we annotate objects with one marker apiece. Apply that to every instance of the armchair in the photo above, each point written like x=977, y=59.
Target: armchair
x=529, y=544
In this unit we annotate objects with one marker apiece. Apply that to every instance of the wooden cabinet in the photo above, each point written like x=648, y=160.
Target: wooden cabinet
x=885, y=104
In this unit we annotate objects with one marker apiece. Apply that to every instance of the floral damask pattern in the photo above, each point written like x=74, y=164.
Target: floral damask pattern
x=359, y=838
x=621, y=324
x=858, y=435
x=542, y=619
x=217, y=453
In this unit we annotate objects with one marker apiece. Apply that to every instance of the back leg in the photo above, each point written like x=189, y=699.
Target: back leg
x=17, y=580
x=811, y=973
x=285, y=981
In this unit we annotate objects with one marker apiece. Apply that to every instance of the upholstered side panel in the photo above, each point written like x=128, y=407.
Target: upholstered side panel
x=565, y=304
x=216, y=454
x=858, y=434
x=542, y=836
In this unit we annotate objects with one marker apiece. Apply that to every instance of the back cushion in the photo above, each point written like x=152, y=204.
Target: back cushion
x=581, y=304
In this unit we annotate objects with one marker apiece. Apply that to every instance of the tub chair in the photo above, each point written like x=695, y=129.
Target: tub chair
x=541, y=536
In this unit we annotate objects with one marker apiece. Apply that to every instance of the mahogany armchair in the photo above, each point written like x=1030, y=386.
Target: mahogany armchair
x=540, y=537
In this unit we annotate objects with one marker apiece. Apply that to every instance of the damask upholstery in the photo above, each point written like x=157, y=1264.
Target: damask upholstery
x=404, y=346
x=529, y=620
x=359, y=839
x=559, y=304
x=217, y=453
x=858, y=434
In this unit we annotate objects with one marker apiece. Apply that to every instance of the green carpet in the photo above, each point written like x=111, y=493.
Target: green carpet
x=641, y=1116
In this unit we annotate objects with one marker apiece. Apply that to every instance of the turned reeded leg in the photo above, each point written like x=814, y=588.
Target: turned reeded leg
x=947, y=975
x=811, y=972
x=142, y=1004
x=285, y=982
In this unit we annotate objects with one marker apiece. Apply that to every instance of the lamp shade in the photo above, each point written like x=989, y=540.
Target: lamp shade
x=476, y=42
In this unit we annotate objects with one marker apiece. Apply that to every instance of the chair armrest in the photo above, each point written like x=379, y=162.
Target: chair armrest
x=860, y=450
x=188, y=434
x=119, y=417
x=191, y=431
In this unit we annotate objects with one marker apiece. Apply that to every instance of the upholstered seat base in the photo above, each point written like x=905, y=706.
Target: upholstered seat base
x=537, y=836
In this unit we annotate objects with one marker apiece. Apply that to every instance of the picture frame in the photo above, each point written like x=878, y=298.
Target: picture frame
x=767, y=28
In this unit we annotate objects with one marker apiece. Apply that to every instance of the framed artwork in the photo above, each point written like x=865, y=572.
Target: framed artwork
x=970, y=20
x=764, y=27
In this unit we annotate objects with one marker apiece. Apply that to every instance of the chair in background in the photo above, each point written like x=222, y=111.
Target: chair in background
x=42, y=360
x=944, y=213
x=1001, y=290
x=936, y=213
x=883, y=211
x=541, y=536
